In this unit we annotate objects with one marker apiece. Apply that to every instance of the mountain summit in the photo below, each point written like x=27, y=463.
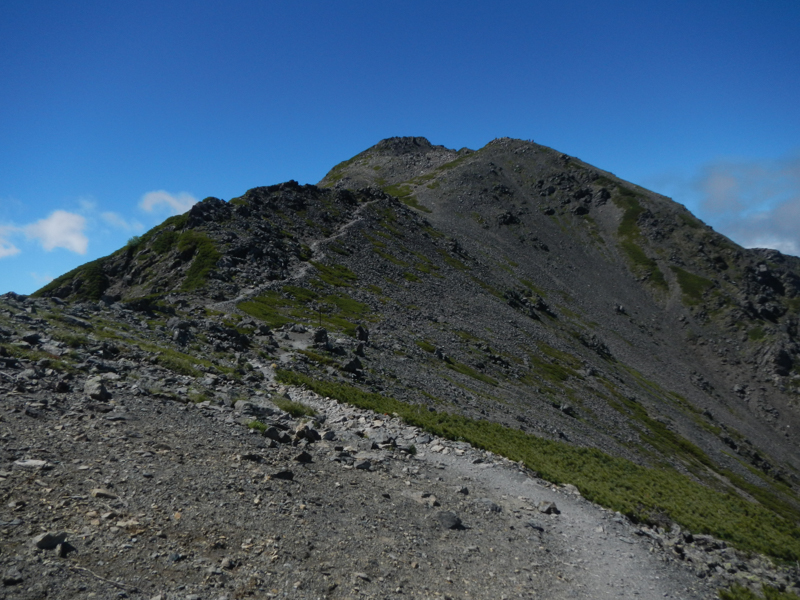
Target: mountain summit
x=514, y=298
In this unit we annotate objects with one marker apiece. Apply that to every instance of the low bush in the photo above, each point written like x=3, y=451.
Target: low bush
x=738, y=592
x=295, y=409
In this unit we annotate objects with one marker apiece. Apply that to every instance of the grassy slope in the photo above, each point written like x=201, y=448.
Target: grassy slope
x=639, y=492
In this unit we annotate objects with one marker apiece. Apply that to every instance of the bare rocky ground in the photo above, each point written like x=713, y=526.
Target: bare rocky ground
x=112, y=490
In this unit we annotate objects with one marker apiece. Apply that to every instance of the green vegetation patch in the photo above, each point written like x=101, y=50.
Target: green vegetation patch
x=319, y=358
x=427, y=267
x=488, y=287
x=178, y=363
x=739, y=592
x=339, y=249
x=414, y=203
x=335, y=275
x=90, y=282
x=453, y=262
x=629, y=202
x=426, y=346
x=629, y=232
x=405, y=194
x=454, y=163
x=293, y=304
x=693, y=286
x=272, y=308
x=295, y=409
x=165, y=242
x=639, y=259
x=257, y=425
x=478, y=218
x=690, y=220
x=72, y=340
x=616, y=483
x=398, y=190
x=549, y=371
x=337, y=172
x=205, y=254
x=471, y=372
x=391, y=258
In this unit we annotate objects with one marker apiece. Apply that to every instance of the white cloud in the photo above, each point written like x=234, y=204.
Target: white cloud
x=41, y=279
x=176, y=203
x=60, y=230
x=87, y=205
x=755, y=203
x=117, y=220
x=6, y=247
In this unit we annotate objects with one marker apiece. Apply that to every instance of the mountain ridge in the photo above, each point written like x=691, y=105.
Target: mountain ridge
x=512, y=285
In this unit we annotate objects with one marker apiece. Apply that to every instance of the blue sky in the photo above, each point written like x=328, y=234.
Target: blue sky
x=115, y=115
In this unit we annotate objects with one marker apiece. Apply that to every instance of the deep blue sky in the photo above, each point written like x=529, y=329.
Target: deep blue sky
x=104, y=103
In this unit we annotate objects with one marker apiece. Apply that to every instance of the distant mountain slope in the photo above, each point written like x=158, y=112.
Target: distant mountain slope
x=512, y=284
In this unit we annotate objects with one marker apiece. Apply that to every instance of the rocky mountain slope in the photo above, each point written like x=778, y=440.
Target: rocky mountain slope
x=512, y=298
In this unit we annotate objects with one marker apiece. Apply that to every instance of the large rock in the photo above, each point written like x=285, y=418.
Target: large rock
x=353, y=366
x=96, y=390
x=321, y=336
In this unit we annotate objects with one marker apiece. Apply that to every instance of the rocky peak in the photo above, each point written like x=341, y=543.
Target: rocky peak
x=395, y=146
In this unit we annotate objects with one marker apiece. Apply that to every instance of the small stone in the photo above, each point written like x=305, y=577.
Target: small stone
x=548, y=508
x=534, y=525
x=488, y=505
x=571, y=489
x=49, y=541
x=62, y=550
x=95, y=389
x=32, y=337
x=285, y=475
x=30, y=463
x=363, y=576
x=12, y=577
x=303, y=457
x=103, y=493
x=449, y=520
x=363, y=465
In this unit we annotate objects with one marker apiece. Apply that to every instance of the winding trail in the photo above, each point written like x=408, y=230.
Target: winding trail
x=300, y=268
x=597, y=553
x=601, y=555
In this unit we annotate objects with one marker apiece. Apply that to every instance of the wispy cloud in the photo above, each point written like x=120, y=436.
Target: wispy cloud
x=757, y=203
x=88, y=205
x=754, y=202
x=60, y=230
x=175, y=203
x=6, y=247
x=41, y=279
x=117, y=220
